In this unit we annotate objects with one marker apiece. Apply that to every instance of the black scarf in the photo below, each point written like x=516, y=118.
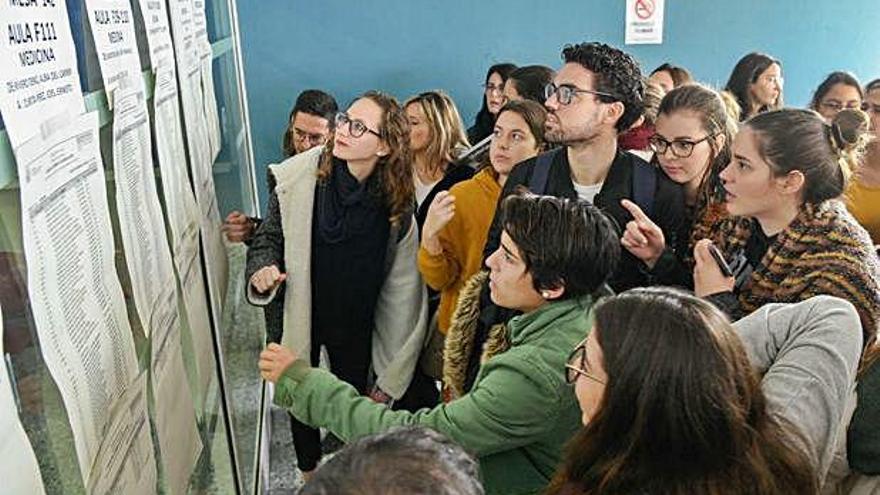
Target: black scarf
x=346, y=207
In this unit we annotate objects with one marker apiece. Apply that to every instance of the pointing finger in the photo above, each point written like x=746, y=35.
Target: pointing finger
x=634, y=210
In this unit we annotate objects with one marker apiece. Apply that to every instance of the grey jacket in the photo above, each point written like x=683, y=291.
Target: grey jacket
x=808, y=353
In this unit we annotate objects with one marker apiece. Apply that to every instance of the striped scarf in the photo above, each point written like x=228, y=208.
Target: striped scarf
x=824, y=251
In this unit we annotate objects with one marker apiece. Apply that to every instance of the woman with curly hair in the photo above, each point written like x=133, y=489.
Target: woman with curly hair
x=340, y=235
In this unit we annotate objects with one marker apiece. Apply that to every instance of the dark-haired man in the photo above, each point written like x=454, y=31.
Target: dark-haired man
x=520, y=411
x=310, y=124
x=401, y=461
x=596, y=95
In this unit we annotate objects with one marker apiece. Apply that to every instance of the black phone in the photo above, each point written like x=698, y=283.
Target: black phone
x=719, y=259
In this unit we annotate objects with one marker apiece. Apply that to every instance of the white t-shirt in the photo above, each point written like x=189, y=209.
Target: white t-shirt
x=587, y=193
x=422, y=189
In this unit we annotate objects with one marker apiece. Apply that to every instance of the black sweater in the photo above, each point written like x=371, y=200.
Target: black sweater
x=347, y=276
x=669, y=208
x=455, y=173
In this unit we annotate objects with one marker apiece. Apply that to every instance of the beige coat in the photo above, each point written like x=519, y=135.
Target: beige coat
x=401, y=310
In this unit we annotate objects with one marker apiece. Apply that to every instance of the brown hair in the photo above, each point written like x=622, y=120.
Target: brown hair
x=563, y=242
x=793, y=139
x=833, y=79
x=682, y=412
x=654, y=94
x=533, y=113
x=395, y=169
x=680, y=76
x=709, y=107
x=313, y=102
x=447, y=138
x=747, y=72
x=614, y=72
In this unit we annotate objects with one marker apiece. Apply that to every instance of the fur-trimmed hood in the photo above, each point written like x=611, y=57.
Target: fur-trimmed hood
x=460, y=337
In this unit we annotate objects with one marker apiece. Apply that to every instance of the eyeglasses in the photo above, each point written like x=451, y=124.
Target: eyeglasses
x=837, y=106
x=355, y=127
x=681, y=148
x=870, y=107
x=565, y=92
x=303, y=136
x=575, y=366
x=493, y=88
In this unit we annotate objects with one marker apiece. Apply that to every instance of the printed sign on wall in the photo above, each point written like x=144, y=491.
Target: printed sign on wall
x=644, y=22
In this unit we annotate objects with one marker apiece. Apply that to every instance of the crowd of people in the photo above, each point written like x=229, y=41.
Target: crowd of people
x=612, y=282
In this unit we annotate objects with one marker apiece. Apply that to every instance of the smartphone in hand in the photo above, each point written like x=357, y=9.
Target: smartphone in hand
x=719, y=259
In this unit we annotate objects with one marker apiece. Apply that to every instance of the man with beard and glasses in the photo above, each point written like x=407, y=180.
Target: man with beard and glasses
x=596, y=95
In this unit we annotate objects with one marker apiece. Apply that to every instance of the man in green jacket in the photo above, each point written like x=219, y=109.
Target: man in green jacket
x=554, y=255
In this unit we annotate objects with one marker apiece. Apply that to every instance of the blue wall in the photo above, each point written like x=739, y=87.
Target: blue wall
x=408, y=46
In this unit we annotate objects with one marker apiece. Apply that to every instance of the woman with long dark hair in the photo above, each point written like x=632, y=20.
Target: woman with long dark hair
x=673, y=401
x=493, y=100
x=789, y=237
x=756, y=84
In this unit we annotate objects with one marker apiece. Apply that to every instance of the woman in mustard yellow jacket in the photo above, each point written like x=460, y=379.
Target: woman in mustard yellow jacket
x=458, y=221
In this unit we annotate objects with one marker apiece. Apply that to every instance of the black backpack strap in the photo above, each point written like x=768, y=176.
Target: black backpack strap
x=538, y=181
x=644, y=187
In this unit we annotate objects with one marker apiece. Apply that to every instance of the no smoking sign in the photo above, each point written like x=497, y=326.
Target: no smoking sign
x=644, y=22
x=644, y=9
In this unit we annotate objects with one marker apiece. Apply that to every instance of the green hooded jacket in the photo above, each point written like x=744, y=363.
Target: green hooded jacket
x=516, y=418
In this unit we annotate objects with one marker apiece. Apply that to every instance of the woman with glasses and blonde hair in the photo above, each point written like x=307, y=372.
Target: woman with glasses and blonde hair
x=340, y=236
x=691, y=143
x=690, y=404
x=436, y=138
x=553, y=257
